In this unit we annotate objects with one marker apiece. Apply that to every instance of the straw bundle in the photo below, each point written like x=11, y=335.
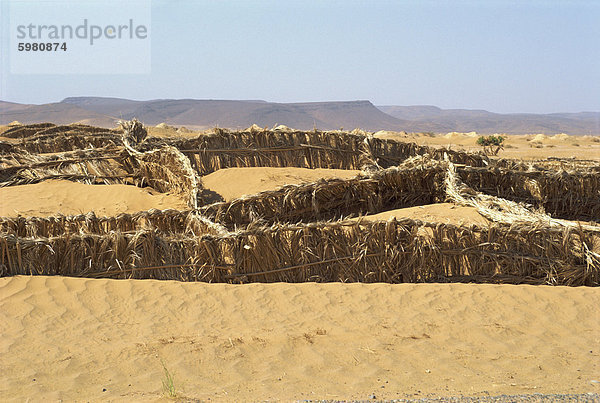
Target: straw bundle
x=553, y=164
x=168, y=170
x=223, y=149
x=417, y=181
x=50, y=143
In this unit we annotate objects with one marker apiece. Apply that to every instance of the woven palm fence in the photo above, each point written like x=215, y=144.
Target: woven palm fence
x=562, y=194
x=224, y=149
x=291, y=234
x=338, y=150
x=393, y=251
x=377, y=191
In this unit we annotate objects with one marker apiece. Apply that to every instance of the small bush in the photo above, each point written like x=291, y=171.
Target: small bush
x=491, y=144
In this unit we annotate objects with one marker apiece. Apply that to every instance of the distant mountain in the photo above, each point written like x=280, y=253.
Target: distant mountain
x=241, y=114
x=432, y=118
x=59, y=113
x=324, y=115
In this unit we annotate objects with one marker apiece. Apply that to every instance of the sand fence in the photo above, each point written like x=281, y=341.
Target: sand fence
x=412, y=184
x=520, y=251
x=280, y=236
x=394, y=251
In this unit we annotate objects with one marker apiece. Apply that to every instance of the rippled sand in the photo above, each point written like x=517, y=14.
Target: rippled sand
x=70, y=338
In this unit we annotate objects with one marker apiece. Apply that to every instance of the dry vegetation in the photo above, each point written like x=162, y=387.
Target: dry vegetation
x=302, y=232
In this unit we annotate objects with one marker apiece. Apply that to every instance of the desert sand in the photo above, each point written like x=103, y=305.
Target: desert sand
x=65, y=197
x=70, y=338
x=232, y=183
x=526, y=146
x=445, y=213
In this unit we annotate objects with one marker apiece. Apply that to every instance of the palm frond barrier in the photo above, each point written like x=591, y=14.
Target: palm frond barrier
x=418, y=181
x=280, y=236
x=395, y=251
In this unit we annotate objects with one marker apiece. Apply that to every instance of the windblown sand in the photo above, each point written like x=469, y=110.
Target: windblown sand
x=446, y=213
x=231, y=183
x=71, y=339
x=52, y=197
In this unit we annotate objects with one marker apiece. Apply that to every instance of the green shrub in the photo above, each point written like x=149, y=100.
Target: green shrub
x=491, y=144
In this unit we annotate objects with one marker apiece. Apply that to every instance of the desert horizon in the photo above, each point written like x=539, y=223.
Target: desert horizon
x=203, y=114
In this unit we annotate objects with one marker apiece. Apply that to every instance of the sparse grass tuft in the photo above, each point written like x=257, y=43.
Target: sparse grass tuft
x=168, y=382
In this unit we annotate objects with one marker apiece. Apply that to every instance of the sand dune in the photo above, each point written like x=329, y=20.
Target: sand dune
x=69, y=338
x=232, y=183
x=65, y=197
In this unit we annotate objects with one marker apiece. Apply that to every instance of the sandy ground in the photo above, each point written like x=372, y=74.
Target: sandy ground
x=66, y=197
x=51, y=197
x=523, y=146
x=232, y=183
x=446, y=213
x=527, y=146
x=69, y=338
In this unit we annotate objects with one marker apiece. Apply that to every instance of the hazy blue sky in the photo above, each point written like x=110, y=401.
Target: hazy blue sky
x=503, y=56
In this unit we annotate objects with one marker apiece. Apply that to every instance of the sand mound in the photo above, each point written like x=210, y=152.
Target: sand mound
x=457, y=135
x=386, y=134
x=232, y=183
x=539, y=138
x=446, y=213
x=255, y=129
x=561, y=137
x=453, y=135
x=98, y=340
x=15, y=123
x=282, y=128
x=65, y=197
